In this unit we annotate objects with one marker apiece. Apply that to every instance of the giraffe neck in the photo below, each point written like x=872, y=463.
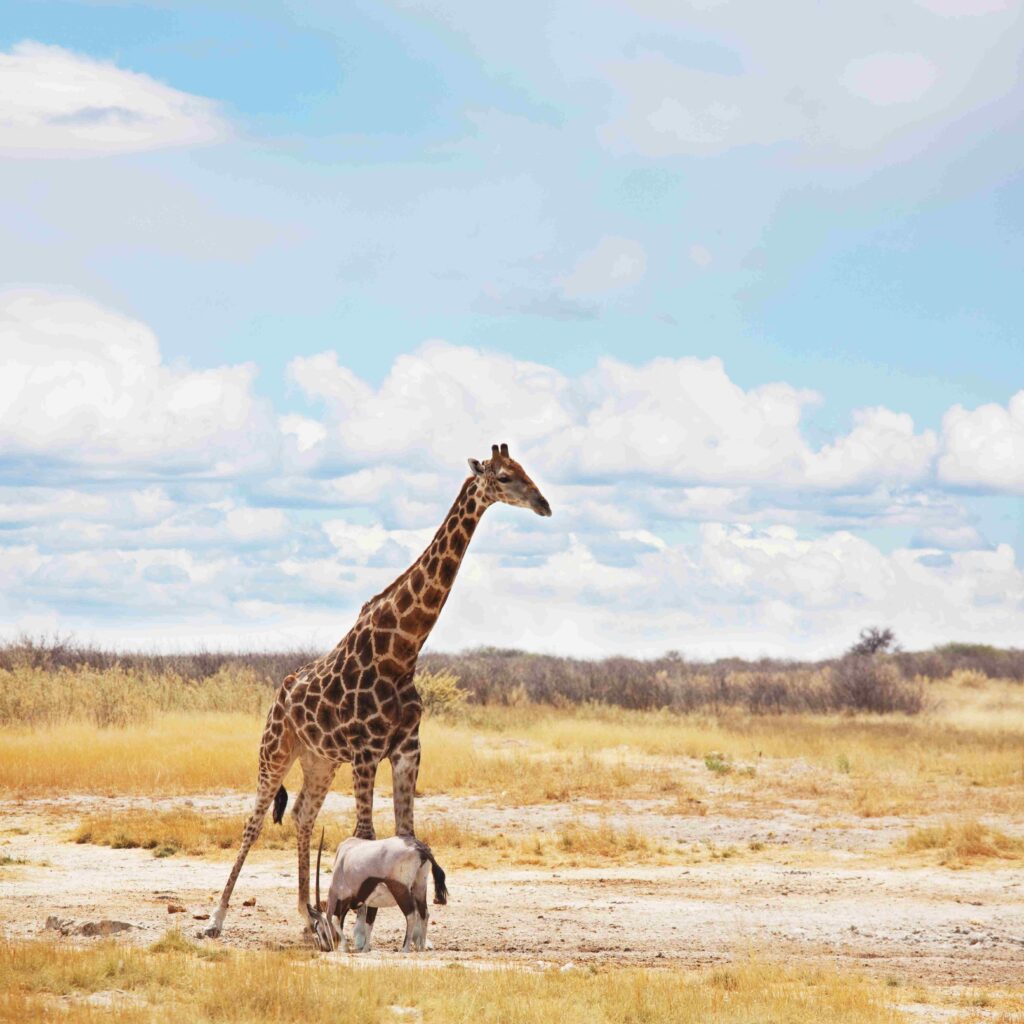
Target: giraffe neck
x=410, y=607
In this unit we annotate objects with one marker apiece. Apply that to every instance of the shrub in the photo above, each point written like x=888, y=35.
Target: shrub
x=873, y=683
x=439, y=691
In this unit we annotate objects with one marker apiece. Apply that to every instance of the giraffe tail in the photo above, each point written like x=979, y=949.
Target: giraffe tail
x=280, y=803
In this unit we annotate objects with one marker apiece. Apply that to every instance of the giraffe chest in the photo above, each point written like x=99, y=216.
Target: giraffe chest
x=336, y=715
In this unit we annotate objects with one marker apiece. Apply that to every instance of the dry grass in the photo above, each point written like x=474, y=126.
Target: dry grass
x=964, y=843
x=177, y=980
x=115, y=697
x=570, y=844
x=967, y=747
x=180, y=753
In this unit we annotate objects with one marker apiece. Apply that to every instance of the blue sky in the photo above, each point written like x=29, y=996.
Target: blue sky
x=623, y=235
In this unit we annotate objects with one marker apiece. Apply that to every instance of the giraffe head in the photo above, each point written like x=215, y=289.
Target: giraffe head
x=503, y=479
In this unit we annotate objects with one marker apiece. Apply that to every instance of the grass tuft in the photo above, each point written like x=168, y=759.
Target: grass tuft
x=964, y=843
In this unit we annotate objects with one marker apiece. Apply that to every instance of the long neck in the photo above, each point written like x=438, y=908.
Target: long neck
x=412, y=604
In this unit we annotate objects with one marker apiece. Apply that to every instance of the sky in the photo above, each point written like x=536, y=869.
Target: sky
x=739, y=284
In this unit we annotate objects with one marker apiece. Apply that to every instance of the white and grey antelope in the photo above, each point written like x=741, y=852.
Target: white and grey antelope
x=373, y=873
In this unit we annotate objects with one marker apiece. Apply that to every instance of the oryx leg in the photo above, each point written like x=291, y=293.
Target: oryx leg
x=403, y=897
x=362, y=934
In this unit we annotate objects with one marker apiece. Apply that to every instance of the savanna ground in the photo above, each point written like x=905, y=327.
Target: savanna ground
x=628, y=865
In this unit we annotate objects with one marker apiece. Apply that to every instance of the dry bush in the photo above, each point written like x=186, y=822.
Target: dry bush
x=864, y=682
x=942, y=661
x=118, y=697
x=965, y=843
x=970, y=678
x=440, y=693
x=514, y=678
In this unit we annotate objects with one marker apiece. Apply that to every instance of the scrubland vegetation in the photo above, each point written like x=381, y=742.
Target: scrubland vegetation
x=79, y=720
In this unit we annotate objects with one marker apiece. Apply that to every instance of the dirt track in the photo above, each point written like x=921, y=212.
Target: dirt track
x=927, y=924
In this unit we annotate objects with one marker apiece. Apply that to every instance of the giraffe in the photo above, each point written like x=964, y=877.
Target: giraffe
x=358, y=703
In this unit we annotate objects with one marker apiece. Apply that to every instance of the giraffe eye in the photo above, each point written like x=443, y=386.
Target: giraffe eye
x=504, y=479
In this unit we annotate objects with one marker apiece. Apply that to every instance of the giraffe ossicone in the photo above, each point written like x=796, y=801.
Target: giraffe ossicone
x=358, y=704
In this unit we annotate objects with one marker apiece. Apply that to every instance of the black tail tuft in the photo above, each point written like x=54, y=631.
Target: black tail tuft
x=280, y=803
x=440, y=889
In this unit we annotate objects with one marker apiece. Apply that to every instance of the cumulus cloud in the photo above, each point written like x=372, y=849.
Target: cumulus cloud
x=983, y=448
x=441, y=405
x=84, y=385
x=682, y=420
x=55, y=103
x=689, y=511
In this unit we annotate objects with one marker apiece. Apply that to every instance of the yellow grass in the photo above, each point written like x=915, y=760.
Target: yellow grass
x=42, y=981
x=964, y=843
x=969, y=747
x=181, y=753
x=570, y=844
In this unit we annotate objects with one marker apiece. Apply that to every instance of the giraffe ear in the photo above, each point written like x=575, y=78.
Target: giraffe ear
x=477, y=466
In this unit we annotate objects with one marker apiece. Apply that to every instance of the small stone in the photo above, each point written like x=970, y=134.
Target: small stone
x=175, y=908
x=200, y=917
x=250, y=902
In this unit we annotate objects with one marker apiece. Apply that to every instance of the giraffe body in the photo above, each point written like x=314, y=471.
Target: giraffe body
x=358, y=704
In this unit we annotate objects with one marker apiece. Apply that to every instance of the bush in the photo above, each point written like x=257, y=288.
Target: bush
x=861, y=682
x=439, y=691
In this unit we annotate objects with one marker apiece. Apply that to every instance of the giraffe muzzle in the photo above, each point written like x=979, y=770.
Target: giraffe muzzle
x=541, y=507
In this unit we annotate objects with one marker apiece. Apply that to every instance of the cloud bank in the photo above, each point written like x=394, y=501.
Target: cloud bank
x=145, y=503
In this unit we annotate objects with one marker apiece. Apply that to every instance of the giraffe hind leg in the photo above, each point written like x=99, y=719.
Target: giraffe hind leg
x=277, y=754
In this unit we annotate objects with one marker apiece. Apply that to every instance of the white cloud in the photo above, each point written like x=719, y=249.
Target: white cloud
x=631, y=458
x=882, y=445
x=984, y=447
x=84, y=385
x=682, y=419
x=886, y=78
x=360, y=544
x=612, y=264
x=55, y=103
x=441, y=404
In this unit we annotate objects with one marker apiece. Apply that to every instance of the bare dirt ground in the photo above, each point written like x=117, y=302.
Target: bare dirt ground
x=824, y=891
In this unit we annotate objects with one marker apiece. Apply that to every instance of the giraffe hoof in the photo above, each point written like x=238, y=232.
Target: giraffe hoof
x=213, y=932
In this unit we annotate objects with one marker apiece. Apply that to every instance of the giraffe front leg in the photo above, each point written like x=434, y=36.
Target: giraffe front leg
x=405, y=769
x=364, y=774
